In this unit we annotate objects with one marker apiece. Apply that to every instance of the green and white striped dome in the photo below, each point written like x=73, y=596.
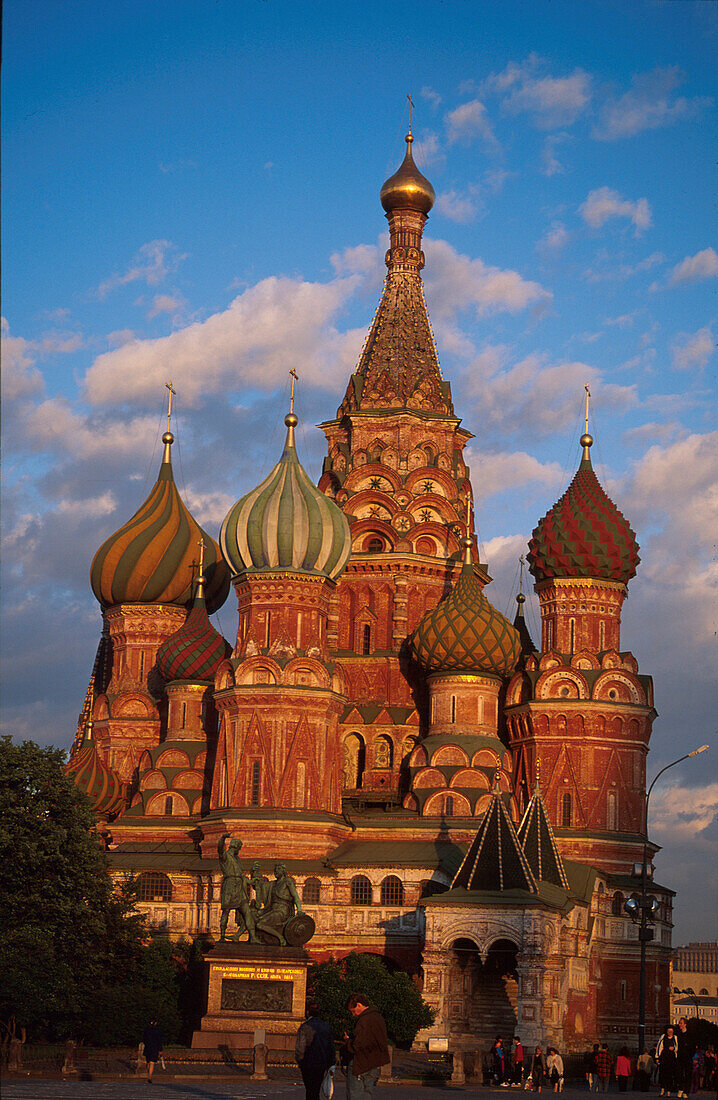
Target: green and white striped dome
x=286, y=523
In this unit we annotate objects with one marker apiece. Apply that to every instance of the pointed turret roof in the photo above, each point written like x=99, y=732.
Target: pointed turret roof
x=495, y=859
x=399, y=366
x=539, y=843
x=527, y=645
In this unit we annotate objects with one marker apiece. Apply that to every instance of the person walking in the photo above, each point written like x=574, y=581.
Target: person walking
x=367, y=1047
x=623, y=1069
x=591, y=1070
x=686, y=1050
x=152, y=1046
x=554, y=1068
x=644, y=1071
x=538, y=1069
x=314, y=1051
x=667, y=1058
x=604, y=1065
x=499, y=1061
x=518, y=1062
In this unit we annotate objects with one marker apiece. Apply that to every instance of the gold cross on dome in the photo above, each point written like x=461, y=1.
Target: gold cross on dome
x=172, y=390
x=294, y=376
x=411, y=108
x=202, y=545
x=588, y=395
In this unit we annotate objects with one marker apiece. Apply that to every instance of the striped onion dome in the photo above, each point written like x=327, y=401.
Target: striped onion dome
x=286, y=523
x=584, y=534
x=465, y=633
x=194, y=652
x=153, y=557
x=103, y=787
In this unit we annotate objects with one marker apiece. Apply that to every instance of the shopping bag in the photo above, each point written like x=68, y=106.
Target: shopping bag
x=327, y=1088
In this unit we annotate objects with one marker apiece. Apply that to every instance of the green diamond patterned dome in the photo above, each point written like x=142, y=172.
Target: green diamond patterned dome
x=286, y=523
x=466, y=634
x=195, y=651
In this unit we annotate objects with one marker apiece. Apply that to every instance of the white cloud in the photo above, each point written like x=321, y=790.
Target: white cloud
x=20, y=376
x=456, y=206
x=165, y=303
x=554, y=239
x=624, y=271
x=431, y=96
x=277, y=322
x=605, y=203
x=496, y=471
x=468, y=121
x=427, y=150
x=455, y=282
x=152, y=264
x=550, y=164
x=647, y=106
x=704, y=265
x=553, y=101
x=695, y=350
x=54, y=425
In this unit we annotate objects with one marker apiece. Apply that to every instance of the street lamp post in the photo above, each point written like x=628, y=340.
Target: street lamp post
x=645, y=934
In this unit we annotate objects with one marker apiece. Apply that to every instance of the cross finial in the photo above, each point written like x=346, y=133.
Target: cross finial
x=294, y=376
x=537, y=785
x=588, y=395
x=172, y=390
x=202, y=545
x=411, y=108
x=497, y=775
x=522, y=562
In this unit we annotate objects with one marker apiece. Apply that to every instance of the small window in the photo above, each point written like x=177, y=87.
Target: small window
x=168, y=806
x=572, y=630
x=154, y=886
x=361, y=890
x=375, y=546
x=366, y=640
x=566, y=811
x=453, y=708
x=392, y=891
x=602, y=635
x=448, y=806
x=623, y=990
x=142, y=665
x=612, y=810
x=617, y=904
x=184, y=715
x=549, y=634
x=312, y=891
x=256, y=783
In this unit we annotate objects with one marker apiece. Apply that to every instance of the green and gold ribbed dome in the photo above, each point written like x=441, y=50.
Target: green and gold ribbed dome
x=103, y=787
x=286, y=523
x=465, y=633
x=407, y=189
x=153, y=557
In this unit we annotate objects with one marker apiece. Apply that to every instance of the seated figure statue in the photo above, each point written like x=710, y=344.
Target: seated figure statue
x=279, y=908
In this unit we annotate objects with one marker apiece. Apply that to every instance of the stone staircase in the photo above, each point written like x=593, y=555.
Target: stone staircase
x=492, y=1011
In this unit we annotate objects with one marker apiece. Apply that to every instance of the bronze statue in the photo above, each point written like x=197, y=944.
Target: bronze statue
x=280, y=907
x=235, y=890
x=260, y=885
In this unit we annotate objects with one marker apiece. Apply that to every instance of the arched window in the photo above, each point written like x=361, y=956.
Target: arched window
x=602, y=635
x=154, y=886
x=375, y=546
x=453, y=708
x=703, y=992
x=448, y=806
x=361, y=890
x=256, y=783
x=312, y=891
x=366, y=640
x=549, y=634
x=572, y=632
x=354, y=757
x=392, y=891
x=566, y=811
x=612, y=810
x=617, y=905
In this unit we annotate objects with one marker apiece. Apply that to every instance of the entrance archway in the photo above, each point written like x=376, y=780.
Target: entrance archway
x=483, y=994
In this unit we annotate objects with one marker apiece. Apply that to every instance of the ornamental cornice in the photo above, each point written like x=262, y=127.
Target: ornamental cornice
x=464, y=678
x=579, y=582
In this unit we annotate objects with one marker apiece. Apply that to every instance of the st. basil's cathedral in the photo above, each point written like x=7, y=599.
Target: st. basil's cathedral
x=447, y=793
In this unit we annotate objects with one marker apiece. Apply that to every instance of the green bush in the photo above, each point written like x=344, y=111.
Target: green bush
x=394, y=994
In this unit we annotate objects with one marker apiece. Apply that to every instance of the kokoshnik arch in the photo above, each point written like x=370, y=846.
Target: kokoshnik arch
x=376, y=723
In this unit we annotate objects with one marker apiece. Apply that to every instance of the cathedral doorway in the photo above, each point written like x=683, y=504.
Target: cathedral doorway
x=482, y=994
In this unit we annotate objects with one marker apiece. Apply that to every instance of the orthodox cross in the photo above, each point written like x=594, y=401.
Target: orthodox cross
x=172, y=390
x=411, y=108
x=521, y=574
x=294, y=376
x=588, y=395
x=201, y=556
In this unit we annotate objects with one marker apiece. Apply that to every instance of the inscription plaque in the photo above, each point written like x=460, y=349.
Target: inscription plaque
x=248, y=995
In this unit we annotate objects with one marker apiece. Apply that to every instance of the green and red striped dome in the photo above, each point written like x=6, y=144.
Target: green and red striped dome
x=153, y=557
x=103, y=787
x=584, y=534
x=194, y=652
x=466, y=634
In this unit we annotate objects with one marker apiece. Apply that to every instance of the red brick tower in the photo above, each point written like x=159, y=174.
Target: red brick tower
x=395, y=467
x=580, y=709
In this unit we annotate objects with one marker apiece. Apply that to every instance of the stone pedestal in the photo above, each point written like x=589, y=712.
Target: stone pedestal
x=250, y=988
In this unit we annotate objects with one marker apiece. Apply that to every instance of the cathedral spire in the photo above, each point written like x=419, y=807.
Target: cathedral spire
x=399, y=367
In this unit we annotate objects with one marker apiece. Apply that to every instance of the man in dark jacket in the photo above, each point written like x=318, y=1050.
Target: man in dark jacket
x=314, y=1051
x=368, y=1048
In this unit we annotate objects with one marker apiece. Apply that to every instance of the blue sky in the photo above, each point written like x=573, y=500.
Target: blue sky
x=191, y=192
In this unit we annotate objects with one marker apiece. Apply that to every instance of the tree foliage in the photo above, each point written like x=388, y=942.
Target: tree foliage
x=73, y=953
x=394, y=994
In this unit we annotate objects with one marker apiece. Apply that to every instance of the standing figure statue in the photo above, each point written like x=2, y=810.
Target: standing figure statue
x=280, y=907
x=235, y=890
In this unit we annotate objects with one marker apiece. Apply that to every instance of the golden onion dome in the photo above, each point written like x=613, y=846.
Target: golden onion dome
x=407, y=189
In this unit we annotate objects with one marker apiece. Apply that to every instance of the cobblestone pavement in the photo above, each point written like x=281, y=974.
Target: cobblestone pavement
x=241, y=1089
